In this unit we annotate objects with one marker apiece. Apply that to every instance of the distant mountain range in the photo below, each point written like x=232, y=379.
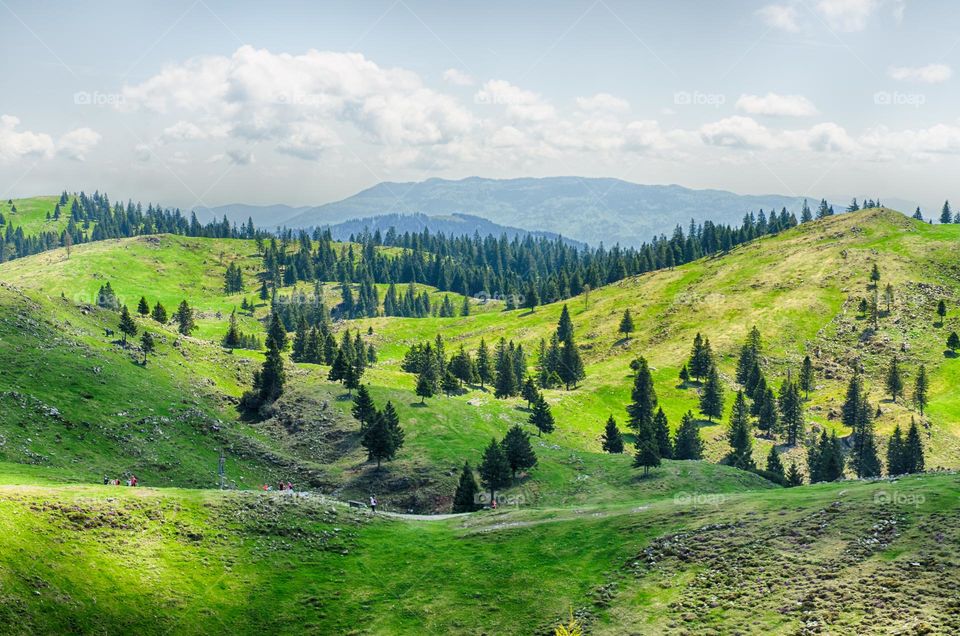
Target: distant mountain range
x=592, y=210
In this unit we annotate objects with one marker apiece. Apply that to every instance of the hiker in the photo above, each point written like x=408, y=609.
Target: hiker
x=106, y=480
x=289, y=486
x=373, y=503
x=493, y=504
x=133, y=481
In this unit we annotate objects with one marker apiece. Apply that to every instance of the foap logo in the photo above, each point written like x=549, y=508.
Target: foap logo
x=96, y=98
x=696, y=98
x=483, y=297
x=483, y=499
x=698, y=499
x=297, y=98
x=885, y=498
x=896, y=98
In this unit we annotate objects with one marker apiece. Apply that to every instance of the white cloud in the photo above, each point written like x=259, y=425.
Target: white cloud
x=520, y=104
x=603, y=102
x=240, y=157
x=929, y=74
x=780, y=16
x=77, y=143
x=940, y=139
x=16, y=145
x=846, y=15
x=777, y=105
x=746, y=133
x=457, y=77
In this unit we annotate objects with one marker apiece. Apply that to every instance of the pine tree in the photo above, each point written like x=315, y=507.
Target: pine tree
x=127, y=325
x=920, y=388
x=701, y=358
x=363, y=409
x=571, y=365
x=807, y=378
x=541, y=417
x=913, y=461
x=711, y=399
x=529, y=391
x=146, y=345
x=749, y=356
x=484, y=364
x=519, y=452
x=946, y=216
x=895, y=463
x=626, y=323
x=875, y=275
x=612, y=440
x=865, y=460
x=392, y=418
x=495, y=468
x=379, y=440
x=449, y=384
x=159, y=313
x=739, y=437
x=894, y=379
x=850, y=410
x=791, y=412
x=644, y=399
x=684, y=375
x=953, y=342
x=565, y=326
x=661, y=433
x=646, y=457
x=269, y=383
x=426, y=382
x=184, y=318
x=142, y=307
x=465, y=497
x=462, y=367
x=687, y=442
x=231, y=340
x=775, y=466
x=942, y=311
x=768, y=416
x=794, y=478
x=340, y=367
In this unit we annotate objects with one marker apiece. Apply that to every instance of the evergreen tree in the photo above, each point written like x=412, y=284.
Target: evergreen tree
x=363, y=409
x=953, y=342
x=895, y=463
x=825, y=459
x=643, y=399
x=184, y=318
x=529, y=391
x=791, y=412
x=340, y=368
x=851, y=408
x=519, y=452
x=865, y=460
x=506, y=382
x=684, y=375
x=661, y=432
x=465, y=497
x=462, y=367
x=626, y=323
x=894, y=379
x=147, y=345
x=565, y=326
x=571, y=369
x=794, y=478
x=701, y=358
x=449, y=384
x=913, y=461
x=541, y=417
x=231, y=340
x=775, y=466
x=768, y=416
x=159, y=313
x=426, y=382
x=379, y=440
x=495, y=468
x=920, y=388
x=942, y=311
x=646, y=457
x=142, y=307
x=687, y=442
x=807, y=378
x=749, y=356
x=127, y=325
x=875, y=276
x=269, y=382
x=711, y=398
x=739, y=437
x=612, y=440
x=484, y=364
x=946, y=216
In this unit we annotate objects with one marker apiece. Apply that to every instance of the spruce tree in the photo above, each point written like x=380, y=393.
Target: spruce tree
x=571, y=365
x=378, y=440
x=519, y=452
x=626, y=323
x=426, y=383
x=775, y=466
x=661, y=432
x=920, y=388
x=541, y=417
x=231, y=340
x=565, y=326
x=946, y=216
x=184, y=318
x=159, y=313
x=711, y=399
x=494, y=468
x=739, y=437
x=646, y=457
x=807, y=377
x=913, y=459
x=895, y=463
x=142, y=307
x=529, y=391
x=146, y=345
x=768, y=415
x=643, y=398
x=953, y=342
x=894, y=379
x=449, y=384
x=269, y=382
x=749, y=356
x=127, y=325
x=791, y=412
x=484, y=364
x=612, y=440
x=465, y=497
x=687, y=442
x=363, y=409
x=942, y=311
x=794, y=477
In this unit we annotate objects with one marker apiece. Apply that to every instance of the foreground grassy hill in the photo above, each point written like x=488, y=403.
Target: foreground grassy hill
x=836, y=558
x=800, y=288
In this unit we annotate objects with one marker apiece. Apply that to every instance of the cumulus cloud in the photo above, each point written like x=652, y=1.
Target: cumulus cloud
x=15, y=144
x=603, y=102
x=457, y=77
x=929, y=74
x=520, y=104
x=780, y=16
x=746, y=133
x=77, y=143
x=846, y=15
x=776, y=105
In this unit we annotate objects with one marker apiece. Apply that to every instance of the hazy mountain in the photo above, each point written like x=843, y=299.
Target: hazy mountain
x=267, y=217
x=585, y=209
x=451, y=225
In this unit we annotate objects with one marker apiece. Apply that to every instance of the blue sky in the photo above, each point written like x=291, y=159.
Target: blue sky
x=203, y=103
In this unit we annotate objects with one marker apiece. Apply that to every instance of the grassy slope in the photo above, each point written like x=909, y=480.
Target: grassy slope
x=800, y=288
x=111, y=560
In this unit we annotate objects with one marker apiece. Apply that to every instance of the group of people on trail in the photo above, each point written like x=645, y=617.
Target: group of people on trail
x=132, y=481
x=285, y=486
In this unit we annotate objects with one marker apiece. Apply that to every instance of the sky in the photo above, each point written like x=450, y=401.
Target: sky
x=202, y=103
